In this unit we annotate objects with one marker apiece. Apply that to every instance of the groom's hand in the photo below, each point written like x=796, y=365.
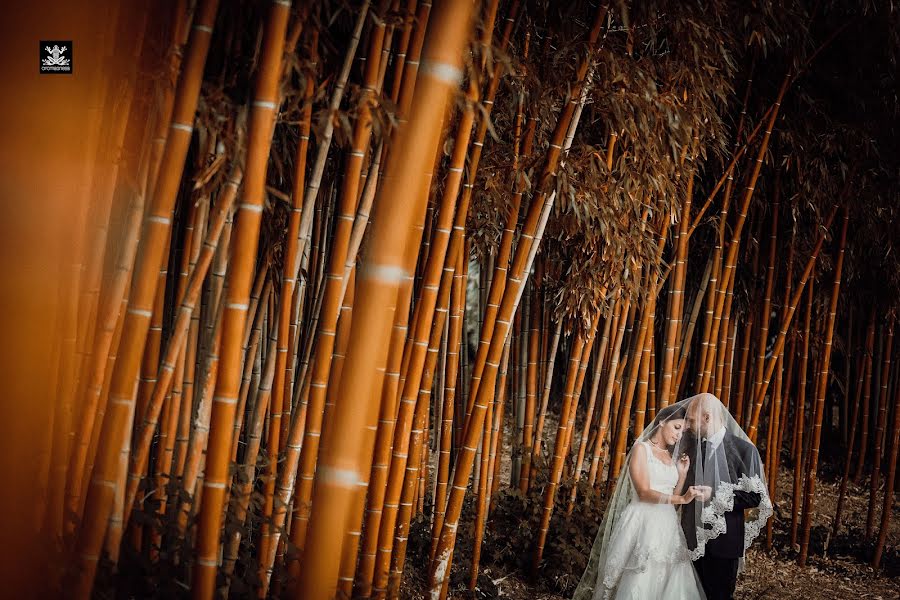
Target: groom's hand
x=704, y=492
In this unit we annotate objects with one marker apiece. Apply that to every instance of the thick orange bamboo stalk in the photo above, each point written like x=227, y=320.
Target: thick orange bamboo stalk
x=424, y=318
x=340, y=464
x=155, y=234
x=531, y=382
x=237, y=295
x=330, y=307
x=179, y=331
x=457, y=304
x=644, y=373
x=676, y=298
x=532, y=232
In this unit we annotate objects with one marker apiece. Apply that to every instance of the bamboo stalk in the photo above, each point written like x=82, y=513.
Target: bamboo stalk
x=156, y=231
x=864, y=374
x=799, y=421
x=262, y=119
x=340, y=464
x=622, y=308
x=890, y=480
x=589, y=413
x=569, y=406
x=821, y=390
x=785, y=324
x=879, y=431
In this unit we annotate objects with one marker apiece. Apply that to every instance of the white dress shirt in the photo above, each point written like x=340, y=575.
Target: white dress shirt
x=713, y=441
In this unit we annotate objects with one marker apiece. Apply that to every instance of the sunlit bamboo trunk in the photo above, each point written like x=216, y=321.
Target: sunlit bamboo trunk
x=227, y=390
x=154, y=237
x=589, y=413
x=620, y=319
x=379, y=279
x=574, y=363
x=545, y=400
x=457, y=304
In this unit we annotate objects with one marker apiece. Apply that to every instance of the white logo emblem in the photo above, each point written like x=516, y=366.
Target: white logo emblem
x=56, y=58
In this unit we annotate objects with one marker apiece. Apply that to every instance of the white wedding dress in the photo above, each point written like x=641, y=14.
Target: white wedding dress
x=647, y=556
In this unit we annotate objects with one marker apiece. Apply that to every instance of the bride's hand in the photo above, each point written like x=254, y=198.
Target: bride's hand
x=683, y=464
x=689, y=495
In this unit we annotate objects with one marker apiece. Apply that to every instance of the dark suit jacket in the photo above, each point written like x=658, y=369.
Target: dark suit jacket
x=740, y=455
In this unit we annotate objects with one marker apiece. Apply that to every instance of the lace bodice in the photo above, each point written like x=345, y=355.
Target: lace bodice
x=663, y=478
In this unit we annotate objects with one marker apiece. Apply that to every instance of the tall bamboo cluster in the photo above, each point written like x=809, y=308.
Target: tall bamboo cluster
x=362, y=276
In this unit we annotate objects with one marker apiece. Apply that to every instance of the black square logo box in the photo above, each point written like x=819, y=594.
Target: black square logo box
x=56, y=57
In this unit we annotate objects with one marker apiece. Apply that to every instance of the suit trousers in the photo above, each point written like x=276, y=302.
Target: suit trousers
x=718, y=576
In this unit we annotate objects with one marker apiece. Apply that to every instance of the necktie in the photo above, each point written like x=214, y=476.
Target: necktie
x=703, y=450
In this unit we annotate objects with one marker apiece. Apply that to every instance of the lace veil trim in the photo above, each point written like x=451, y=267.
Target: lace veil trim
x=723, y=502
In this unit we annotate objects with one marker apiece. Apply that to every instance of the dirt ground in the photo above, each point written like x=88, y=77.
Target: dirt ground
x=839, y=571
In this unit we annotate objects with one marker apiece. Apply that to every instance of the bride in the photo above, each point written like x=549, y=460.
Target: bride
x=640, y=550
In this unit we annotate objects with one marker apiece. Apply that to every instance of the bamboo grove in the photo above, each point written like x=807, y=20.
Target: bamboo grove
x=365, y=274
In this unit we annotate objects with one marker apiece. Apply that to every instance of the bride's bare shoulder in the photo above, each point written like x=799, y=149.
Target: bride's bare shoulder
x=639, y=447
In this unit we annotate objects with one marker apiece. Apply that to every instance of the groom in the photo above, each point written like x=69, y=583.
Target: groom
x=721, y=458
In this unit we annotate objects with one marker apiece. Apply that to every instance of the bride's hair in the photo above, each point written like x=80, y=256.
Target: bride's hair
x=673, y=411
